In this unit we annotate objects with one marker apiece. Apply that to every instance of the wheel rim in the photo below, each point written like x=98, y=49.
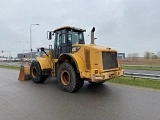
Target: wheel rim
x=65, y=77
x=34, y=72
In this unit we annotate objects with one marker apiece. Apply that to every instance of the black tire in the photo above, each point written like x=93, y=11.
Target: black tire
x=36, y=73
x=68, y=78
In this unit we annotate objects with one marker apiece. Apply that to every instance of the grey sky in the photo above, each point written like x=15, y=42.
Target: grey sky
x=130, y=26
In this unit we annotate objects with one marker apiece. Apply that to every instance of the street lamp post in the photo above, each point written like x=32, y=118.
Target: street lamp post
x=31, y=39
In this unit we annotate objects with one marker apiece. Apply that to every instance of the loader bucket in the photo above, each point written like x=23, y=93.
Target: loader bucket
x=24, y=72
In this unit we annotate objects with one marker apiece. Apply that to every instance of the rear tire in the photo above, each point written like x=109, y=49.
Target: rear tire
x=68, y=78
x=36, y=73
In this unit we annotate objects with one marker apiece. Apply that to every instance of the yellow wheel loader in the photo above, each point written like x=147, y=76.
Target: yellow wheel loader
x=72, y=61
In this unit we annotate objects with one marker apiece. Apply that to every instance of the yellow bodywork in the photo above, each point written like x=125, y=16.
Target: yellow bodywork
x=88, y=60
x=44, y=62
x=91, y=65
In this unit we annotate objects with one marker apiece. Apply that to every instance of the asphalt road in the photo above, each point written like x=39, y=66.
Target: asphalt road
x=24, y=100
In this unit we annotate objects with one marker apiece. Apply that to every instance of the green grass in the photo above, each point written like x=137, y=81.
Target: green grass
x=154, y=68
x=10, y=67
x=148, y=83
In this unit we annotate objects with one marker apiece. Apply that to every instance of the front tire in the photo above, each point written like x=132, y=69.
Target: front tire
x=68, y=78
x=36, y=73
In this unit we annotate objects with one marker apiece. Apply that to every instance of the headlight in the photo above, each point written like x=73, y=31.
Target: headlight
x=75, y=48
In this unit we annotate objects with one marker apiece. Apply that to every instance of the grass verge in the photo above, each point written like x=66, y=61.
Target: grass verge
x=10, y=67
x=148, y=83
x=154, y=68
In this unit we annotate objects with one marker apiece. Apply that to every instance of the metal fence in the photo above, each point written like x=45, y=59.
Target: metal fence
x=142, y=75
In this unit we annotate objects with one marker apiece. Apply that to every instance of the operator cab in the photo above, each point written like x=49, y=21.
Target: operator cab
x=65, y=37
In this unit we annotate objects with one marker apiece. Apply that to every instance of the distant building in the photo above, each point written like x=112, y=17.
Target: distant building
x=121, y=55
x=26, y=55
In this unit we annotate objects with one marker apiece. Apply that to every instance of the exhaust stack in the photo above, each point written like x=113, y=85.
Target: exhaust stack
x=92, y=35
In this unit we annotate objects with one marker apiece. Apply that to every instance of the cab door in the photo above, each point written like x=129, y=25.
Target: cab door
x=62, y=43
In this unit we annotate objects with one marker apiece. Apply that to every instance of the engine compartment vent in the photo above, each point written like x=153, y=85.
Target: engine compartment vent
x=109, y=60
x=87, y=59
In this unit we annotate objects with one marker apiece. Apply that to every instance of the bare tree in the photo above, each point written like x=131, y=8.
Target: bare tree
x=158, y=54
x=129, y=55
x=147, y=55
x=150, y=55
x=154, y=56
x=133, y=55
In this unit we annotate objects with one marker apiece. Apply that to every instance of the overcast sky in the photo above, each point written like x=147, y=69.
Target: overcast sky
x=130, y=26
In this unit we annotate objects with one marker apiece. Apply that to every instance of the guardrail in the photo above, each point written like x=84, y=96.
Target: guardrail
x=142, y=75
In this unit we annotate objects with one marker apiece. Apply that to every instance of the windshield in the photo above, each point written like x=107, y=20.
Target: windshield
x=75, y=37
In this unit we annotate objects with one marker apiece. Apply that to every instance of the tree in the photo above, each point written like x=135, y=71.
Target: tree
x=147, y=55
x=158, y=54
x=154, y=56
x=133, y=55
x=150, y=55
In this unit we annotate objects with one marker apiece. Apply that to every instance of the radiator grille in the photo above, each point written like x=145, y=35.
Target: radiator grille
x=109, y=60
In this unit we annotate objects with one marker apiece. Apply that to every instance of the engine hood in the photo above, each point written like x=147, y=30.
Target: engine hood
x=95, y=47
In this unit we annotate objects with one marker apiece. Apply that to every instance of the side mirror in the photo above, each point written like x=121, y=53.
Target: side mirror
x=49, y=35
